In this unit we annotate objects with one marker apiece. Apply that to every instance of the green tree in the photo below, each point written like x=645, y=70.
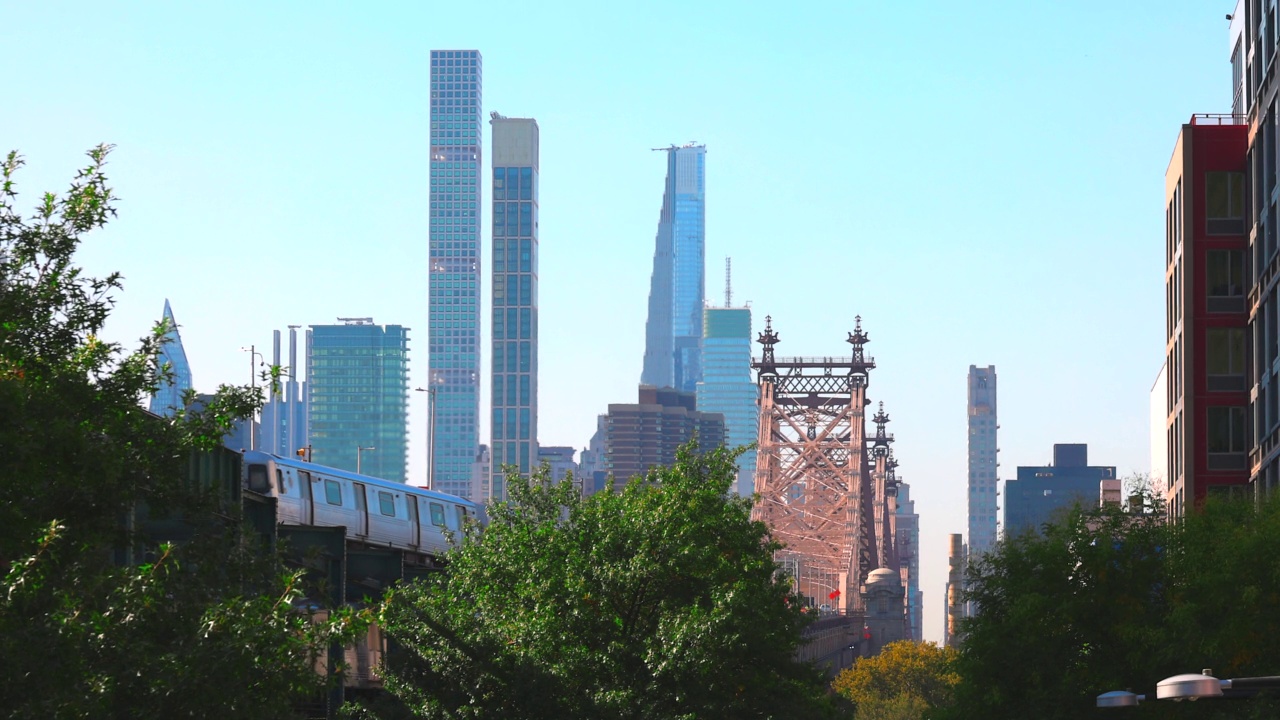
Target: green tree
x=906, y=680
x=205, y=629
x=1104, y=599
x=659, y=601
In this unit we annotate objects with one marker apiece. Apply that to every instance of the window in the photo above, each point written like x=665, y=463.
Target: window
x=437, y=514
x=1225, y=269
x=1224, y=203
x=1225, y=354
x=387, y=503
x=258, y=479
x=462, y=516
x=280, y=480
x=1226, y=430
x=332, y=492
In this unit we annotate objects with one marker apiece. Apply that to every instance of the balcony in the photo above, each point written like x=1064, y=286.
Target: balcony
x=1218, y=119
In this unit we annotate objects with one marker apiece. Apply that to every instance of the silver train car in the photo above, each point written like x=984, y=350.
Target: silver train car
x=375, y=512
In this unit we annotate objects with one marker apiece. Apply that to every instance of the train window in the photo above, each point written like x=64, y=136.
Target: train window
x=280, y=481
x=332, y=492
x=462, y=516
x=387, y=503
x=437, y=514
x=258, y=479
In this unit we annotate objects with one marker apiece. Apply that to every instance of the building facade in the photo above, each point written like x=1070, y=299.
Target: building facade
x=1041, y=492
x=358, y=398
x=168, y=397
x=983, y=463
x=559, y=460
x=1206, y=318
x=727, y=386
x=677, y=287
x=908, y=546
x=284, y=417
x=514, y=379
x=648, y=433
x=454, y=283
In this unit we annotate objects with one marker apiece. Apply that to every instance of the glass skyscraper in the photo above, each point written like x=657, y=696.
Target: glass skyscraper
x=514, y=395
x=453, y=332
x=168, y=396
x=727, y=386
x=673, y=332
x=358, y=387
x=983, y=449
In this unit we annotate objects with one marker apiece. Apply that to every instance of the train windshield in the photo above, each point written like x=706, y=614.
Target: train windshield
x=258, y=481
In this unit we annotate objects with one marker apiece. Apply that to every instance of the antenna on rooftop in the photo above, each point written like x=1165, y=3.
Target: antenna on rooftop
x=728, y=282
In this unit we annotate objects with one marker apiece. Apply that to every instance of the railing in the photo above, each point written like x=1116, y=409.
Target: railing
x=1218, y=119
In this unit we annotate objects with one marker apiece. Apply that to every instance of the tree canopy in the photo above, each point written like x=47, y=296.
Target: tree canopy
x=659, y=601
x=906, y=680
x=1106, y=599
x=204, y=629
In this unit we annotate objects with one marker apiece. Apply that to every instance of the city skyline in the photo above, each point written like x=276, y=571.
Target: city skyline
x=947, y=282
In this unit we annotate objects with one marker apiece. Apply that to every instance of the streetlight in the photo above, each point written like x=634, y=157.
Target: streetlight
x=1191, y=686
x=359, y=454
x=253, y=383
x=431, y=434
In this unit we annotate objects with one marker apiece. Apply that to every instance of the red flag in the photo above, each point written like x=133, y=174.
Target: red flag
x=834, y=594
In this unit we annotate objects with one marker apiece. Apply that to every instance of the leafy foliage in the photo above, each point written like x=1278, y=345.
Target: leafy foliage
x=906, y=680
x=661, y=601
x=1104, y=600
x=205, y=629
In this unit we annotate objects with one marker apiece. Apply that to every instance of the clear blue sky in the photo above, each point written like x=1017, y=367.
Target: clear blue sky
x=982, y=182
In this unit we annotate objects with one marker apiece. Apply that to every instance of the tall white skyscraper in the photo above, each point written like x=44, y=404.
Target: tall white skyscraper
x=454, y=322
x=514, y=388
x=982, y=459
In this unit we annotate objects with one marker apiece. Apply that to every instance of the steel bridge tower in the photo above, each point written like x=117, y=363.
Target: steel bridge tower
x=826, y=490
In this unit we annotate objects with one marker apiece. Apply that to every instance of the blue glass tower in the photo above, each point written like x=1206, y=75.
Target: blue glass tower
x=514, y=395
x=358, y=387
x=453, y=332
x=727, y=386
x=673, y=332
x=168, y=396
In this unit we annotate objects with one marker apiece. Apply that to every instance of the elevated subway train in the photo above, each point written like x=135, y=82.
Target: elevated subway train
x=374, y=511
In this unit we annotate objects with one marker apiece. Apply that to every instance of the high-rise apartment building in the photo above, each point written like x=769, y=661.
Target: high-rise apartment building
x=358, y=397
x=454, y=322
x=727, y=386
x=648, y=433
x=559, y=460
x=1206, y=313
x=677, y=288
x=908, y=546
x=982, y=459
x=284, y=417
x=514, y=380
x=168, y=397
x=1040, y=492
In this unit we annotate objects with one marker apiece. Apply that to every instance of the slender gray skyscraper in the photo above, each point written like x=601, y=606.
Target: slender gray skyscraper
x=454, y=323
x=982, y=459
x=514, y=391
x=168, y=396
x=673, y=332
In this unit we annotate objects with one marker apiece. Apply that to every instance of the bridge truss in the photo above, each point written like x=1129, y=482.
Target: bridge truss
x=826, y=490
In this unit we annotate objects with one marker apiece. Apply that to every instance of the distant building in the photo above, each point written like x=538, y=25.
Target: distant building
x=908, y=546
x=677, y=287
x=168, y=397
x=514, y=381
x=482, y=477
x=883, y=597
x=592, y=464
x=358, y=387
x=284, y=417
x=1040, y=492
x=727, y=386
x=982, y=459
x=244, y=434
x=1207, y=312
x=954, y=607
x=647, y=433
x=454, y=321
x=1160, y=430
x=559, y=460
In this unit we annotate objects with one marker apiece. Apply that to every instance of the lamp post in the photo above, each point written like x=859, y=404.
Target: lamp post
x=359, y=454
x=1191, y=686
x=253, y=383
x=431, y=434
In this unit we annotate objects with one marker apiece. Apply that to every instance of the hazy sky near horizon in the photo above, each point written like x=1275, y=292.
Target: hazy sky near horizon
x=982, y=183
